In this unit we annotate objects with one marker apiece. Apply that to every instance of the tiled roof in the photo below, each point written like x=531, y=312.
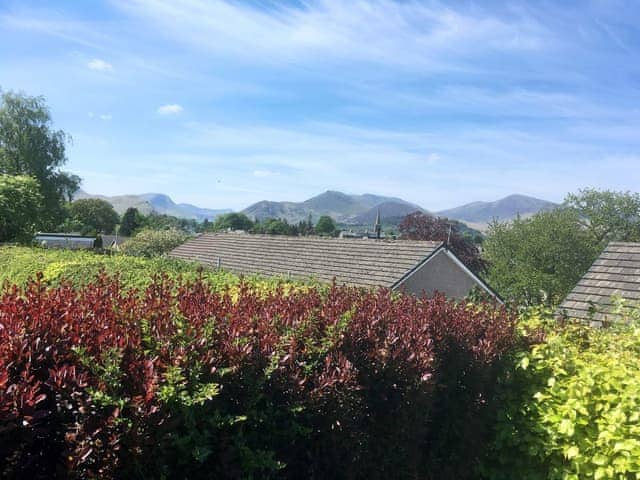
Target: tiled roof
x=361, y=262
x=615, y=272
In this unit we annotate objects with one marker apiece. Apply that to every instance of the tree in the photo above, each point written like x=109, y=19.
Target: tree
x=539, y=260
x=326, y=226
x=29, y=146
x=419, y=226
x=608, y=215
x=94, y=215
x=131, y=221
x=275, y=226
x=232, y=221
x=305, y=227
x=20, y=207
x=161, y=221
x=153, y=243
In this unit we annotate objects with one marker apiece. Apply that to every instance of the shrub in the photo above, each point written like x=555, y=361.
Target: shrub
x=153, y=243
x=181, y=381
x=19, y=264
x=571, y=406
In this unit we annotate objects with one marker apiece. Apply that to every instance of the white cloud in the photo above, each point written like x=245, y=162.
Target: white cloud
x=100, y=65
x=105, y=117
x=408, y=34
x=170, y=109
x=263, y=173
x=433, y=158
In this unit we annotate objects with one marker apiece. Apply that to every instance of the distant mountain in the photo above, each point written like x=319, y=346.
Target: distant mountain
x=391, y=213
x=342, y=207
x=481, y=213
x=160, y=203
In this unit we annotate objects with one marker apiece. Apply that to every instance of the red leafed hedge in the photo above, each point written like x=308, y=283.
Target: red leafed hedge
x=182, y=382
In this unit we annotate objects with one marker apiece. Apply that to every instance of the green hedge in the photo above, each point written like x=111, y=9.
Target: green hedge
x=570, y=405
x=18, y=264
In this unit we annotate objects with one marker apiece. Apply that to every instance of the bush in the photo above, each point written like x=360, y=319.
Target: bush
x=153, y=243
x=571, y=406
x=19, y=264
x=186, y=382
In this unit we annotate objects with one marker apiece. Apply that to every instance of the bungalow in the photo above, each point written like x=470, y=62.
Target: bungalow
x=410, y=266
x=615, y=273
x=73, y=241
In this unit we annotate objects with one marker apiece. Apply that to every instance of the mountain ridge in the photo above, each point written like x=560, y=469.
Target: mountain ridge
x=159, y=203
x=348, y=209
x=503, y=209
x=342, y=207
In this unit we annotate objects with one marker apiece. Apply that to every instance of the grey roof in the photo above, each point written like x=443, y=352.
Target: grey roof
x=361, y=262
x=108, y=240
x=615, y=272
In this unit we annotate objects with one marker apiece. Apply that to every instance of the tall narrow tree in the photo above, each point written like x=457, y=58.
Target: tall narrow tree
x=30, y=146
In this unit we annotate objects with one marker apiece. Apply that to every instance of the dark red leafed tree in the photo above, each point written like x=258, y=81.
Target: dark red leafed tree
x=419, y=226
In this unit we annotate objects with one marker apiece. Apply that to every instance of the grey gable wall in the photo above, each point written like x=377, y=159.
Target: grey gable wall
x=440, y=273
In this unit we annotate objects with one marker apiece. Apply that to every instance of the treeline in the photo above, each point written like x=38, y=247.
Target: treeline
x=272, y=226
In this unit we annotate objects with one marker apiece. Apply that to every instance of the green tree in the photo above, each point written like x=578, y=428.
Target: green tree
x=538, y=260
x=326, y=226
x=30, y=146
x=153, y=243
x=94, y=215
x=20, y=207
x=275, y=226
x=608, y=215
x=131, y=221
x=233, y=221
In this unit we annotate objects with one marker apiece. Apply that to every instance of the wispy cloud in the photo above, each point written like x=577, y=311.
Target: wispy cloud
x=170, y=109
x=408, y=34
x=99, y=65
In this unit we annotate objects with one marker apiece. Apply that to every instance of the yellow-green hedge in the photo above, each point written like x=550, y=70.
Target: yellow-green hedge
x=18, y=264
x=571, y=406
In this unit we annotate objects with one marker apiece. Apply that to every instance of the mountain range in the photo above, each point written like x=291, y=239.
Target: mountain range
x=479, y=214
x=344, y=208
x=159, y=203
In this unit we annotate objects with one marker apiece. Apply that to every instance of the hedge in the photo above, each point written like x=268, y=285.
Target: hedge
x=570, y=406
x=19, y=264
x=184, y=381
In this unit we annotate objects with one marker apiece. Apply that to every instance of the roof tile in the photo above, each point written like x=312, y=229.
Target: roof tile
x=361, y=262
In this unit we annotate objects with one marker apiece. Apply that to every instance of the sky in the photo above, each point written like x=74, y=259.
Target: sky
x=225, y=103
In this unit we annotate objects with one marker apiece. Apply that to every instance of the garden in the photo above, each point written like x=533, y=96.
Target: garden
x=123, y=367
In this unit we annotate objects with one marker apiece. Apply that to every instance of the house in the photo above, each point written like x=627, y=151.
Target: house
x=410, y=266
x=72, y=241
x=113, y=242
x=615, y=273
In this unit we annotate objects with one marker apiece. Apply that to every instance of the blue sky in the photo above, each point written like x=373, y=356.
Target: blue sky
x=224, y=103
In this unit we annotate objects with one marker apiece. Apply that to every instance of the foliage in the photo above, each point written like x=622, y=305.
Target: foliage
x=153, y=243
x=20, y=206
x=608, y=215
x=538, y=260
x=275, y=226
x=18, y=264
x=571, y=406
x=185, y=382
x=156, y=221
x=29, y=146
x=232, y=221
x=326, y=226
x=132, y=220
x=94, y=215
x=305, y=227
x=419, y=226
